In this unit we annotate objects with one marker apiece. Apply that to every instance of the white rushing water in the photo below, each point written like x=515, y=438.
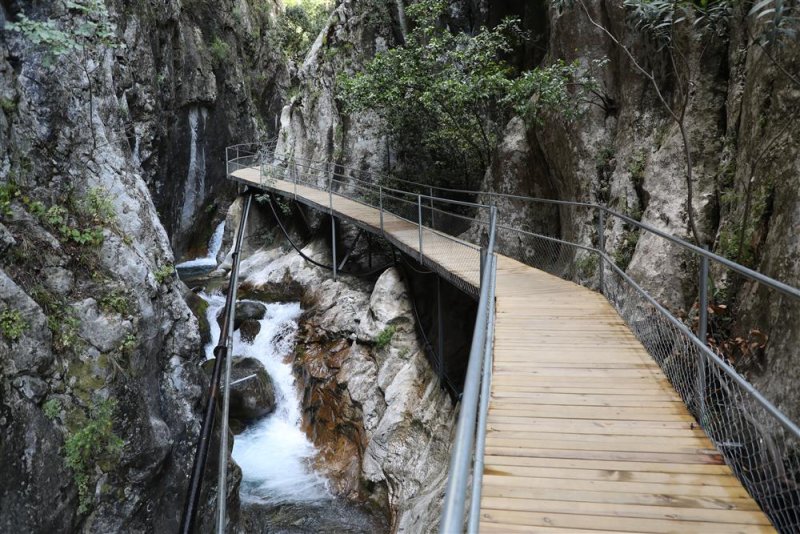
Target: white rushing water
x=214, y=244
x=274, y=453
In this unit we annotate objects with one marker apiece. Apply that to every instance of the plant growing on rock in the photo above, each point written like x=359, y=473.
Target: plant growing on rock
x=164, y=273
x=383, y=339
x=90, y=445
x=12, y=324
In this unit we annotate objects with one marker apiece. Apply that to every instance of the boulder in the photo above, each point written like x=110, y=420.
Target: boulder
x=249, y=330
x=246, y=310
x=251, y=399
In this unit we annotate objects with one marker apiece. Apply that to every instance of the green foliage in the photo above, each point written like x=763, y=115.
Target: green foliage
x=128, y=345
x=116, y=301
x=299, y=25
x=451, y=94
x=93, y=444
x=660, y=18
x=8, y=105
x=8, y=192
x=87, y=26
x=781, y=19
x=587, y=265
x=58, y=218
x=553, y=89
x=51, y=409
x=12, y=324
x=99, y=206
x=383, y=339
x=220, y=51
x=65, y=328
x=164, y=273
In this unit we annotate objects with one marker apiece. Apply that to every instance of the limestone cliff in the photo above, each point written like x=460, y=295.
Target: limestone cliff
x=625, y=152
x=110, y=132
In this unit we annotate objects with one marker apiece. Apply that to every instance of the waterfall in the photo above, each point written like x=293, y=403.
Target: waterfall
x=275, y=454
x=210, y=259
x=195, y=190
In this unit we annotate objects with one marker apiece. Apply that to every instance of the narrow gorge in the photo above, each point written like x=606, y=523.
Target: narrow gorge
x=118, y=223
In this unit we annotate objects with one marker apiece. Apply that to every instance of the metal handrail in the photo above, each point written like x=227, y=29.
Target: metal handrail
x=461, y=456
x=453, y=511
x=222, y=353
x=741, y=269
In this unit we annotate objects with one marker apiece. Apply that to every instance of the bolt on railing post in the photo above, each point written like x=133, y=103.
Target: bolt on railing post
x=601, y=246
x=419, y=224
x=702, y=327
x=380, y=205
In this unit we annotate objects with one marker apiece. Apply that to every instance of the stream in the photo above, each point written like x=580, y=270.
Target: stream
x=280, y=491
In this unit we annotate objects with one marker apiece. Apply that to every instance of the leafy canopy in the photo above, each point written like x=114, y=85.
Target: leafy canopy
x=450, y=94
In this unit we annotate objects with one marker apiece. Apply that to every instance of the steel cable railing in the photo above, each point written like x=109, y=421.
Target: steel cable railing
x=696, y=351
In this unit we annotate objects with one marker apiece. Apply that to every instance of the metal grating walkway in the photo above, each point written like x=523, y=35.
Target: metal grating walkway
x=585, y=432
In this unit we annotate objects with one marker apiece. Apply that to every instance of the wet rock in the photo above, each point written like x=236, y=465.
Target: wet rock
x=254, y=398
x=249, y=330
x=326, y=517
x=246, y=310
x=199, y=308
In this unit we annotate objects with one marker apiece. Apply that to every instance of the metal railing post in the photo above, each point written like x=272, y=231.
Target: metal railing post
x=430, y=190
x=601, y=246
x=380, y=206
x=419, y=224
x=330, y=194
x=333, y=243
x=702, y=327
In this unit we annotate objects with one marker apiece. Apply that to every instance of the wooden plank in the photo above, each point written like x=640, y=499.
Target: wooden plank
x=611, y=475
x=612, y=499
x=617, y=524
x=640, y=467
x=671, y=513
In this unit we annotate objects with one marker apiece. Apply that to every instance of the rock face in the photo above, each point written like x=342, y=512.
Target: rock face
x=372, y=403
x=95, y=316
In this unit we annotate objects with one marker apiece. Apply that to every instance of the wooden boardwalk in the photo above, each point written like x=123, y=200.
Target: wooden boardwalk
x=585, y=432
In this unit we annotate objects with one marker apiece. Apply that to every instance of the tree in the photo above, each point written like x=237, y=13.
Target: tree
x=450, y=94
